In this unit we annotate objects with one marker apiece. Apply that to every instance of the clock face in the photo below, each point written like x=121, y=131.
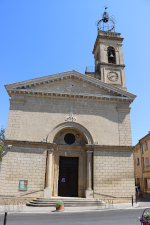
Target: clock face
x=112, y=76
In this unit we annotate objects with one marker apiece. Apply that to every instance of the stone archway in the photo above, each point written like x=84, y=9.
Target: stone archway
x=77, y=148
x=70, y=136
x=73, y=125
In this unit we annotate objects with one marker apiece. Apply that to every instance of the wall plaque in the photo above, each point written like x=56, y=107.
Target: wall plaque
x=23, y=184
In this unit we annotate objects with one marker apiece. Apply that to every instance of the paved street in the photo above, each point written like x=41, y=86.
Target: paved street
x=72, y=216
x=115, y=217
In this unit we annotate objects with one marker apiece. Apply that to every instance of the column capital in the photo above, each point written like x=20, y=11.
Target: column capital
x=89, y=151
x=50, y=150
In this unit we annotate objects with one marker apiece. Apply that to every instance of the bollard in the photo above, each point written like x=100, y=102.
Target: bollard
x=5, y=218
x=132, y=200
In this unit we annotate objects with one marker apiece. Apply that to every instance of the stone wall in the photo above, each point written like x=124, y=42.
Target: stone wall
x=23, y=163
x=35, y=117
x=124, y=126
x=114, y=173
x=2, y=175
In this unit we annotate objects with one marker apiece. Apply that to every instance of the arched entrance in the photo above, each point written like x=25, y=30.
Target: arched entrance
x=71, y=173
x=71, y=154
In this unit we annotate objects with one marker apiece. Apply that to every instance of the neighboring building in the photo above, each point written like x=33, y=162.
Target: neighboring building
x=142, y=163
x=69, y=134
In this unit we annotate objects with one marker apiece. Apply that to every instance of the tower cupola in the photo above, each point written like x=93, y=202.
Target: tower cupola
x=106, y=23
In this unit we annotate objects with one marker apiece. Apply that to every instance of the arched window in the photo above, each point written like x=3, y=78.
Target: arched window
x=111, y=55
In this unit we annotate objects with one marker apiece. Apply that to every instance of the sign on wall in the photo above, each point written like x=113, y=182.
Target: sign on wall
x=63, y=180
x=23, y=185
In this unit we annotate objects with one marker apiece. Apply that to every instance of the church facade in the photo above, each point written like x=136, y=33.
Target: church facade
x=69, y=134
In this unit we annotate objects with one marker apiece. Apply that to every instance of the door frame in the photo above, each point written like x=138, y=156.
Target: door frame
x=68, y=157
x=72, y=152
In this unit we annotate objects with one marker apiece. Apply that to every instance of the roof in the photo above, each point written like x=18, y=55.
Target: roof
x=35, y=86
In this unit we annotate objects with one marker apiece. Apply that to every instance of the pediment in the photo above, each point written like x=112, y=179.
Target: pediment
x=69, y=83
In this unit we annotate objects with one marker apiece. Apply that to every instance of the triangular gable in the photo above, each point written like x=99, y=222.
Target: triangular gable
x=70, y=85
x=71, y=82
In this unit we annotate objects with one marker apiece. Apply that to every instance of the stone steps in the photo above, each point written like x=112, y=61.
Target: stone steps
x=68, y=202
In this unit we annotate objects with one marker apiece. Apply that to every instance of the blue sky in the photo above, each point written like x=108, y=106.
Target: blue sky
x=43, y=37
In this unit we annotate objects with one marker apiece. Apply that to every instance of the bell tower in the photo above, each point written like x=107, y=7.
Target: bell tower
x=108, y=54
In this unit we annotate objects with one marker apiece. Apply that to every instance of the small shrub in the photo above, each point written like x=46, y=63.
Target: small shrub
x=59, y=203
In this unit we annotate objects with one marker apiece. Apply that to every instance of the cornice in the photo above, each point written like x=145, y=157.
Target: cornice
x=27, y=143
x=112, y=64
x=47, y=145
x=145, y=138
x=70, y=95
x=110, y=147
x=111, y=38
x=44, y=79
x=20, y=87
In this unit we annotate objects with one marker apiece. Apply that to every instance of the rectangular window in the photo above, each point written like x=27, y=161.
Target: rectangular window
x=147, y=161
x=138, y=161
x=145, y=145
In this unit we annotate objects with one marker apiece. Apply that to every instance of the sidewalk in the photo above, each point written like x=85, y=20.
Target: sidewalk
x=27, y=209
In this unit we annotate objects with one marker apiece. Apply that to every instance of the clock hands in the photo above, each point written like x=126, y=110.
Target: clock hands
x=112, y=76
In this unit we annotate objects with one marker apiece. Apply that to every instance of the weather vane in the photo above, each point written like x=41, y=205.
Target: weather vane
x=106, y=23
x=105, y=7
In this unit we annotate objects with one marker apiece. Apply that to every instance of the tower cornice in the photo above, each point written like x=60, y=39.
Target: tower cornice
x=112, y=64
x=108, y=36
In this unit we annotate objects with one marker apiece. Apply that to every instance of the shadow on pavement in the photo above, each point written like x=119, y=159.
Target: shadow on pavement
x=144, y=198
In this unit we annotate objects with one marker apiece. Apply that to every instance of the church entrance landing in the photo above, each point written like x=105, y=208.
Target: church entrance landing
x=68, y=177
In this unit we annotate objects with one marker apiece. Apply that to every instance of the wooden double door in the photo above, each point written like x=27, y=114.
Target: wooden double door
x=68, y=177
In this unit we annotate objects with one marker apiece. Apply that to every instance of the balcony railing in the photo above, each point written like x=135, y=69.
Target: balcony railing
x=93, y=72
x=92, y=69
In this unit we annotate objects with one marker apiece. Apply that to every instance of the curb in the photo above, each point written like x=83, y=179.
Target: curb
x=71, y=211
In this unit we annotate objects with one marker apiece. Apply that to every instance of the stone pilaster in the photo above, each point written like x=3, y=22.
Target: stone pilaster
x=89, y=191
x=48, y=189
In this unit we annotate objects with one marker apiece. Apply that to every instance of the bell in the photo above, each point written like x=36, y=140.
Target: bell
x=111, y=55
